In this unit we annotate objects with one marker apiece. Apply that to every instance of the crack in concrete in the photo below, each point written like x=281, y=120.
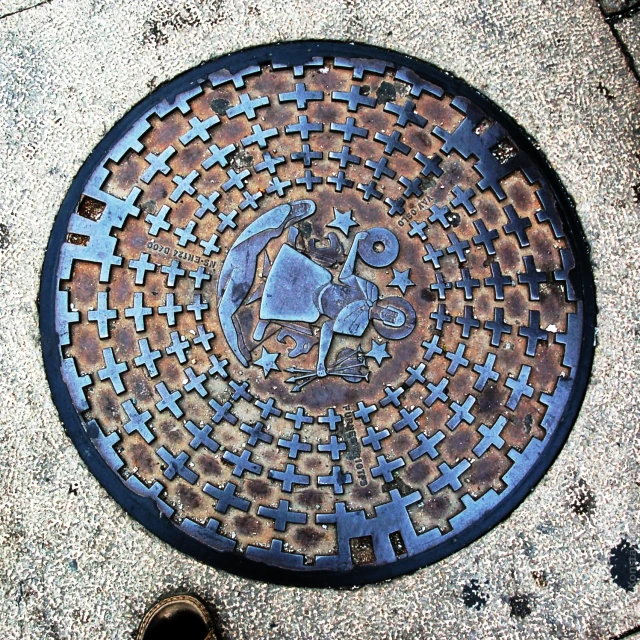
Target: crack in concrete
x=612, y=20
x=23, y=9
x=631, y=633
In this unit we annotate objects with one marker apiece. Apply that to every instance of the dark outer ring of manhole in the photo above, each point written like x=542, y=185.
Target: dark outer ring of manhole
x=376, y=516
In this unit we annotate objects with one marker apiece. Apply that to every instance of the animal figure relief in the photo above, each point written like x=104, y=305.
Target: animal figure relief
x=299, y=292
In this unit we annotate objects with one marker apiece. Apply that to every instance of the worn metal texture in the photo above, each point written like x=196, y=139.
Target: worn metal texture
x=323, y=315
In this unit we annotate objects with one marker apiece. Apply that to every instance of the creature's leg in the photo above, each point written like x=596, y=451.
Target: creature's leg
x=292, y=235
x=326, y=335
x=226, y=309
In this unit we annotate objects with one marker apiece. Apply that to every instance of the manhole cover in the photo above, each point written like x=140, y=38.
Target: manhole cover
x=317, y=313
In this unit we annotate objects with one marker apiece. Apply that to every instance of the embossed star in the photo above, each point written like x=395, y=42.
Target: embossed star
x=343, y=221
x=401, y=280
x=268, y=362
x=378, y=352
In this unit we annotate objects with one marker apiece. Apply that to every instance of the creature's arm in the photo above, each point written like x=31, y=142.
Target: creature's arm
x=349, y=265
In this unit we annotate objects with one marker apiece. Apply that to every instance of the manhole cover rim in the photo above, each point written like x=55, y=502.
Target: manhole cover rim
x=145, y=511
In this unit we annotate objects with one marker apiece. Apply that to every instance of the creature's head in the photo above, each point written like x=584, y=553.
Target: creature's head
x=394, y=318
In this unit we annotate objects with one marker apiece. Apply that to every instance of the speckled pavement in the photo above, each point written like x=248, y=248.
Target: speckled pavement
x=565, y=564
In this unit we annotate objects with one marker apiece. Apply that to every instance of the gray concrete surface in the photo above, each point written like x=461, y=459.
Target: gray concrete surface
x=73, y=565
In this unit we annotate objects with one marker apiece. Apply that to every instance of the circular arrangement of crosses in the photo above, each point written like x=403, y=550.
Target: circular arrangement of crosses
x=317, y=313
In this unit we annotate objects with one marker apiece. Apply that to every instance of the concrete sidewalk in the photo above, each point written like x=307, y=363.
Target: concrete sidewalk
x=566, y=563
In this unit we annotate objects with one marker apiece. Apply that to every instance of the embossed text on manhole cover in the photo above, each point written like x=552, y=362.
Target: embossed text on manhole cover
x=317, y=313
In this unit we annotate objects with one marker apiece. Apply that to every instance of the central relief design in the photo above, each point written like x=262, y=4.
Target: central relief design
x=310, y=293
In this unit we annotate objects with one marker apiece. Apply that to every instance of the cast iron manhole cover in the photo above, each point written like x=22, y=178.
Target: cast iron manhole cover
x=318, y=313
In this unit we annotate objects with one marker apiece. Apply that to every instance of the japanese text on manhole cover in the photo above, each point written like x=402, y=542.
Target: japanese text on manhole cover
x=318, y=313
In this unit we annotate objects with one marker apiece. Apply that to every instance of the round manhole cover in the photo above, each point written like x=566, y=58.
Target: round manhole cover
x=317, y=313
